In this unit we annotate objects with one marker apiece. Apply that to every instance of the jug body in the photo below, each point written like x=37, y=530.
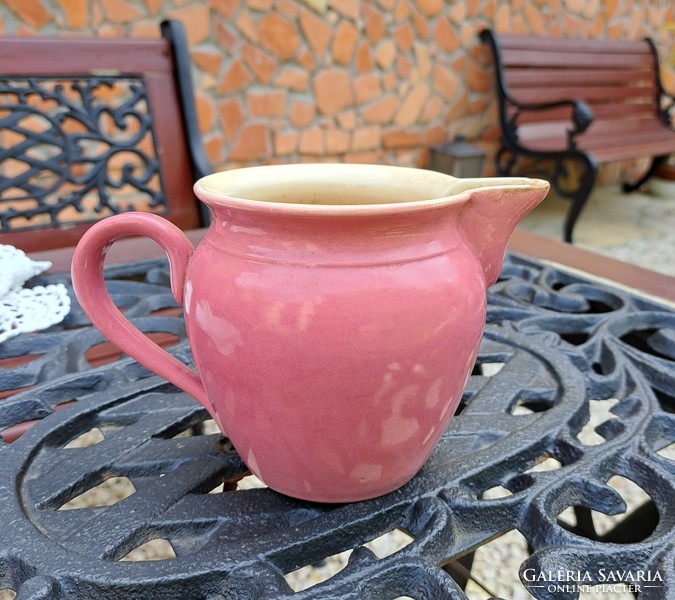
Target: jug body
x=334, y=355
x=334, y=313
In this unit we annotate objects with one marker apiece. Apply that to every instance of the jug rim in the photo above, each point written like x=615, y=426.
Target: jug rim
x=277, y=188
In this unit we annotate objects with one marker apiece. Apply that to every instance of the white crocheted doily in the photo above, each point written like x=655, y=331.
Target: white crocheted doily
x=27, y=309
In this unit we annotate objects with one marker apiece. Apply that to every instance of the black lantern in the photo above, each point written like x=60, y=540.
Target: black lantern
x=457, y=158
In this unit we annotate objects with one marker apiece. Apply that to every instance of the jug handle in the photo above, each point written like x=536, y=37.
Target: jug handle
x=89, y=285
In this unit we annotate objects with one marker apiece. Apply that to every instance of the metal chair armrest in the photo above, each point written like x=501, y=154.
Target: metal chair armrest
x=582, y=115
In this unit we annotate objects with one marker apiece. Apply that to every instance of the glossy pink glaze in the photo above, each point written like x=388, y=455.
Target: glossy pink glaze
x=333, y=342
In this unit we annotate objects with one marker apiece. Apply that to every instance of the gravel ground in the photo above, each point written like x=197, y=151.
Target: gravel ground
x=657, y=253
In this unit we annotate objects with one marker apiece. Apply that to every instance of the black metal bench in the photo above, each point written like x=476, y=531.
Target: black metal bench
x=578, y=102
x=90, y=127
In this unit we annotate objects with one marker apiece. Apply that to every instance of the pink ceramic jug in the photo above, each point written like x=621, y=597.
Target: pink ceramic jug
x=334, y=313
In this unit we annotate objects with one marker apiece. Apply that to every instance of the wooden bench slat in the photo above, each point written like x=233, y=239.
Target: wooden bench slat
x=538, y=77
x=577, y=60
x=605, y=133
x=524, y=42
x=591, y=95
x=640, y=123
x=19, y=55
x=629, y=149
x=607, y=155
x=600, y=112
x=650, y=149
x=625, y=138
x=550, y=129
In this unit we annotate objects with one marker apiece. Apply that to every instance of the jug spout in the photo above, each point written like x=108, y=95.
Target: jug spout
x=493, y=209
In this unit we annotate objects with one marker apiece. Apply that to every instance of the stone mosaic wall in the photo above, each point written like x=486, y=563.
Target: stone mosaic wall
x=343, y=80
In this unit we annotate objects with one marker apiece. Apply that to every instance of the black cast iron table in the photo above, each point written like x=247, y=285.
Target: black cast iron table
x=555, y=344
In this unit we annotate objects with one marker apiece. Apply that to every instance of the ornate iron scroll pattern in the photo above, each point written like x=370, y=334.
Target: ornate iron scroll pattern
x=555, y=343
x=140, y=291
x=625, y=348
x=75, y=150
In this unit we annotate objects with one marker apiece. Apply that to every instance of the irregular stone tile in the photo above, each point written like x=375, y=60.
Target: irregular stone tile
x=381, y=111
x=253, y=143
x=364, y=60
x=431, y=7
x=195, y=17
x=154, y=6
x=214, y=146
x=385, y=54
x=144, y=28
x=347, y=120
x=534, y=19
x=366, y=87
x=421, y=24
x=403, y=67
x=337, y=141
x=374, y=24
x=237, y=77
x=260, y=5
x=76, y=12
x=366, y=138
x=346, y=8
x=477, y=78
x=311, y=141
x=206, y=112
x=445, y=82
x=293, y=78
x=316, y=31
x=116, y=11
x=432, y=109
x=262, y=65
x=302, y=113
x=403, y=35
x=231, y=116
x=332, y=90
x=344, y=41
x=402, y=11
x=285, y=142
x=445, y=36
x=411, y=107
x=225, y=7
x=244, y=23
x=208, y=60
x=226, y=38
x=279, y=36
x=266, y=103
x=401, y=138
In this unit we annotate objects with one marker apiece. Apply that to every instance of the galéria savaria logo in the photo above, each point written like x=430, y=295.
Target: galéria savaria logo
x=603, y=580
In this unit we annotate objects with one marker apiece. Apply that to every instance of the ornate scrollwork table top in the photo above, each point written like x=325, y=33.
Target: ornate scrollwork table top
x=558, y=348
